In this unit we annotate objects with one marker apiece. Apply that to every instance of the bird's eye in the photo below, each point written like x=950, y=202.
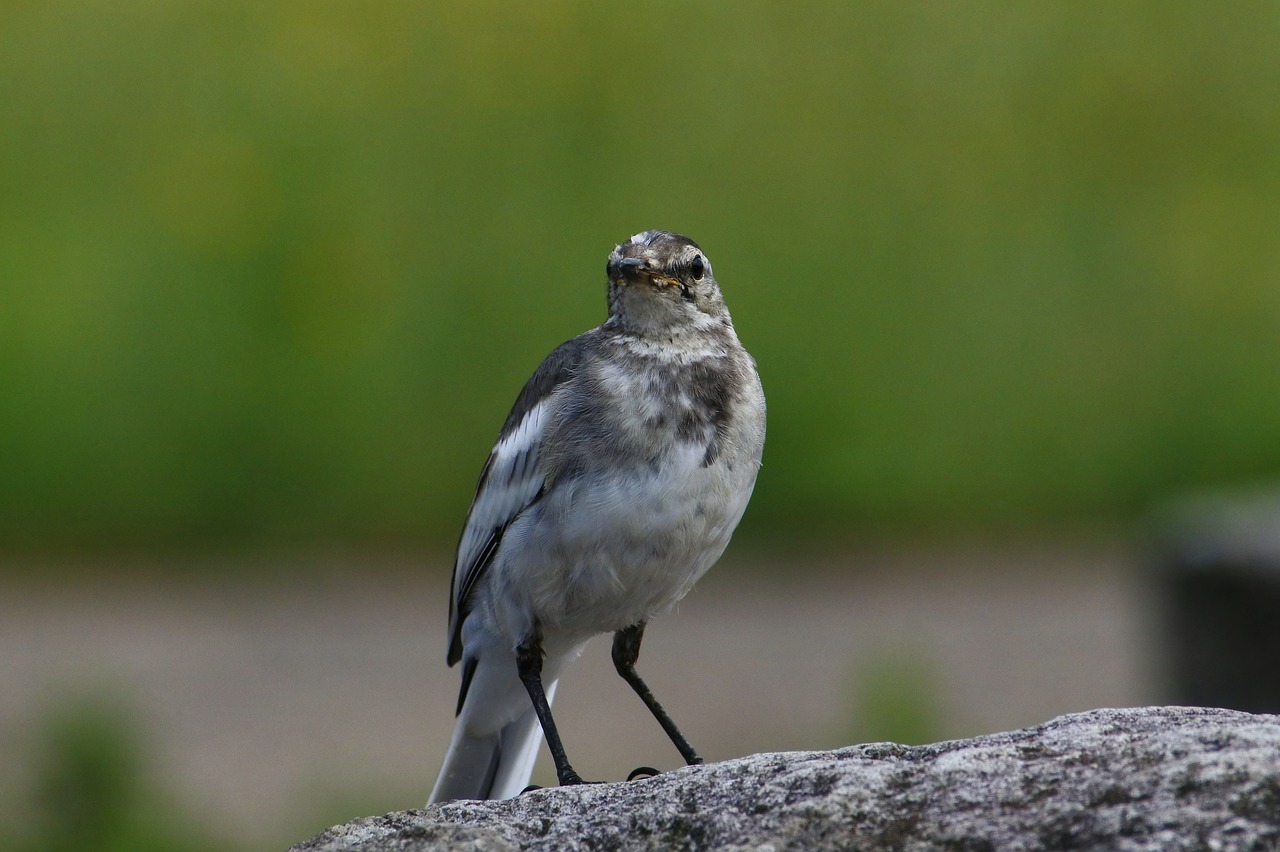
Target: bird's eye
x=697, y=269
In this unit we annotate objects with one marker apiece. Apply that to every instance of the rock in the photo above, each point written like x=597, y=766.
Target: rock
x=1155, y=778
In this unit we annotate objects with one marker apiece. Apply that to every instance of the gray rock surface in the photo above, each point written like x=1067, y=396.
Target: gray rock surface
x=1155, y=778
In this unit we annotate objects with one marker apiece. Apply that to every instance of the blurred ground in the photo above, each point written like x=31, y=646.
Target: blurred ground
x=269, y=706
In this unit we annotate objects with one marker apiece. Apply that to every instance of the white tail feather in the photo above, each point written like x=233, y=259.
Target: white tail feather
x=487, y=763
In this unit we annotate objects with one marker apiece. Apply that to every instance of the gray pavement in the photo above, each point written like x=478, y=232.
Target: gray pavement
x=272, y=698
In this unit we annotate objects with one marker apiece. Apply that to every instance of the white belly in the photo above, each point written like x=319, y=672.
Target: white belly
x=602, y=554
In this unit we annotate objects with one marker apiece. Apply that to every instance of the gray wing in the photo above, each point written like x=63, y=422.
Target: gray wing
x=510, y=482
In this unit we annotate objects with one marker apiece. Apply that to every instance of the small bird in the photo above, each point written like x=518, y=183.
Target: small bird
x=616, y=482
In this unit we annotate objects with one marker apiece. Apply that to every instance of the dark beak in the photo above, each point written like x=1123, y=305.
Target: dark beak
x=634, y=267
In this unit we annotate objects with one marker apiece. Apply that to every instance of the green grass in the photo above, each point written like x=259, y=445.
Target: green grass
x=897, y=699
x=274, y=272
x=91, y=788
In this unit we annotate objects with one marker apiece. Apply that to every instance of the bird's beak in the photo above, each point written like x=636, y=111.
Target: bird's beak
x=631, y=267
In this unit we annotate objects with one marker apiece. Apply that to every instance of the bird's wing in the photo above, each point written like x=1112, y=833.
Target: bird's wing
x=511, y=481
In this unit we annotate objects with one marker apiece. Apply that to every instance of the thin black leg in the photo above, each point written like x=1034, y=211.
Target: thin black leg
x=529, y=665
x=626, y=650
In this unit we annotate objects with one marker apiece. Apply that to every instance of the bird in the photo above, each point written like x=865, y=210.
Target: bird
x=615, y=483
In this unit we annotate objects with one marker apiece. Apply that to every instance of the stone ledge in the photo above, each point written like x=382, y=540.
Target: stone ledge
x=1153, y=778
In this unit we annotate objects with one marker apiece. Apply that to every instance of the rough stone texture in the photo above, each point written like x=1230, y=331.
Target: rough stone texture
x=1156, y=778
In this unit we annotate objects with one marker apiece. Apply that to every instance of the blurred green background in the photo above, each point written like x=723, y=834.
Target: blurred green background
x=271, y=274
x=275, y=272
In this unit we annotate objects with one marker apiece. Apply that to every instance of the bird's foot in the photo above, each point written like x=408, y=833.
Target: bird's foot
x=530, y=788
x=569, y=778
x=642, y=772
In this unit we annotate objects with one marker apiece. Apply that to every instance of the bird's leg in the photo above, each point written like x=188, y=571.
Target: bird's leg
x=529, y=665
x=626, y=650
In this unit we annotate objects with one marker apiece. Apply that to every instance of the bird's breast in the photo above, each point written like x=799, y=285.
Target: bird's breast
x=654, y=408
x=663, y=464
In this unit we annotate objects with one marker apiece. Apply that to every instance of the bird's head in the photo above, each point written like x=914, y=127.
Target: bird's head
x=660, y=283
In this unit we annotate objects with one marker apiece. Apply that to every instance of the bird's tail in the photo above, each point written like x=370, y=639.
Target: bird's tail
x=485, y=761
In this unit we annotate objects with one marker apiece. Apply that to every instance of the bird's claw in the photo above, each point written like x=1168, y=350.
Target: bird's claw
x=642, y=772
